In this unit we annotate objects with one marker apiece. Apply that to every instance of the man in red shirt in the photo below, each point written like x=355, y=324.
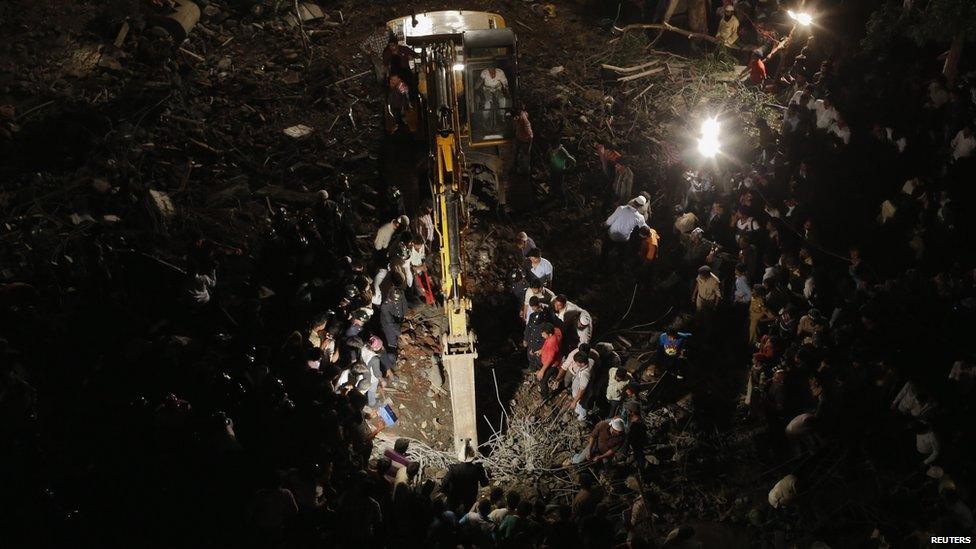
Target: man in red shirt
x=549, y=356
x=756, y=69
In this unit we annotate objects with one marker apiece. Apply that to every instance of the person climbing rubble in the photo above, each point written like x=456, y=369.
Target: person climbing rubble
x=577, y=369
x=606, y=439
x=619, y=228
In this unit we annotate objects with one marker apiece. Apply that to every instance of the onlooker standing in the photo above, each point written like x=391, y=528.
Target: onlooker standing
x=579, y=365
x=523, y=141
x=728, y=27
x=525, y=243
x=623, y=182
x=560, y=162
x=373, y=47
x=549, y=356
x=620, y=225
x=539, y=267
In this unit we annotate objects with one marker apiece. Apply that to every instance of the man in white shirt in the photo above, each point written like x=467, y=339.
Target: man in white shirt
x=424, y=225
x=540, y=267
x=620, y=225
x=825, y=113
x=494, y=86
x=963, y=144
x=561, y=305
x=566, y=310
x=579, y=365
x=728, y=27
x=384, y=235
x=624, y=220
x=841, y=130
x=743, y=291
x=535, y=289
x=927, y=443
x=802, y=97
x=584, y=327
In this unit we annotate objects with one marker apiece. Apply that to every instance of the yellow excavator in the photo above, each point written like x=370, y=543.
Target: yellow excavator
x=466, y=78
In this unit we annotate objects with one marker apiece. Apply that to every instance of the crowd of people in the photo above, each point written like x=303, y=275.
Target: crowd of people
x=833, y=256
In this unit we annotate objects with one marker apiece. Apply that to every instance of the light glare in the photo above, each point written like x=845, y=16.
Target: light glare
x=707, y=148
x=708, y=142
x=458, y=66
x=801, y=18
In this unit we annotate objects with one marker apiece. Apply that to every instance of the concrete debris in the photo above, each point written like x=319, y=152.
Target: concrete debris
x=163, y=203
x=180, y=22
x=298, y=131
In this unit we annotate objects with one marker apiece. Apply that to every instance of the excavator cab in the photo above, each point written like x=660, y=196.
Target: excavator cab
x=492, y=80
x=485, y=74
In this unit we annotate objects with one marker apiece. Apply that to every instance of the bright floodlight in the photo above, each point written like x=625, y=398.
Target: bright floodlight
x=708, y=149
x=802, y=18
x=710, y=128
x=458, y=66
x=708, y=142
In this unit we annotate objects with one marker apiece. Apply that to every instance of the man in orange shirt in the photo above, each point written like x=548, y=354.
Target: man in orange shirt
x=550, y=357
x=756, y=69
x=647, y=250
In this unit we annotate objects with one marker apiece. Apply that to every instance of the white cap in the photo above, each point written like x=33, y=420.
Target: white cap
x=617, y=424
x=403, y=220
x=324, y=195
x=640, y=200
x=584, y=319
x=729, y=8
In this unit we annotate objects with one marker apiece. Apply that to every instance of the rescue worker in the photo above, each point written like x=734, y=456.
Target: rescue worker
x=728, y=28
x=392, y=312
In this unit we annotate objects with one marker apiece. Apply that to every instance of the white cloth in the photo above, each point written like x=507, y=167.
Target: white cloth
x=783, y=492
x=383, y=236
x=844, y=134
x=425, y=226
x=417, y=256
x=825, y=115
x=615, y=388
x=546, y=295
x=928, y=444
x=800, y=425
x=963, y=374
x=743, y=293
x=580, y=379
x=888, y=211
x=938, y=95
x=963, y=146
x=200, y=287
x=496, y=82
x=686, y=223
x=586, y=334
x=747, y=225
x=496, y=515
x=543, y=270
x=377, y=280
x=570, y=307
x=622, y=223
x=906, y=401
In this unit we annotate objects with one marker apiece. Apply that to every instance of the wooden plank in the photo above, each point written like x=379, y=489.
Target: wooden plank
x=640, y=75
